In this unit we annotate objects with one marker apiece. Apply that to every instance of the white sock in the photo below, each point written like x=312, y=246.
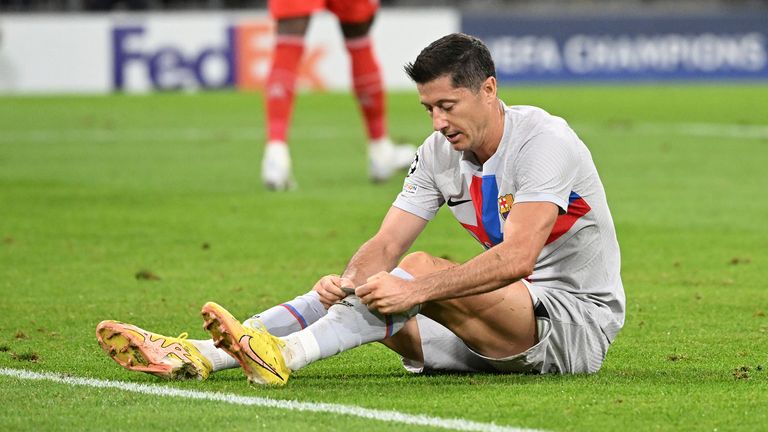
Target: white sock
x=300, y=349
x=218, y=358
x=348, y=324
x=289, y=317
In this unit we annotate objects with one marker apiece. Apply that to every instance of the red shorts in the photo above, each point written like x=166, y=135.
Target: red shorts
x=348, y=11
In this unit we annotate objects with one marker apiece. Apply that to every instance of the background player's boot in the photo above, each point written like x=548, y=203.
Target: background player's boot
x=384, y=158
x=257, y=351
x=139, y=350
x=276, y=167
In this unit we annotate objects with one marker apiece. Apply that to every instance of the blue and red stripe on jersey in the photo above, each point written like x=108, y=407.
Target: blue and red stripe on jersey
x=484, y=194
x=577, y=208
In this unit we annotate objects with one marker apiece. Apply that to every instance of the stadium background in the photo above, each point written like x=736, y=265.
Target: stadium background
x=211, y=45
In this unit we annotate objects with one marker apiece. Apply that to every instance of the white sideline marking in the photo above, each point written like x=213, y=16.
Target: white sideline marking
x=351, y=410
x=715, y=130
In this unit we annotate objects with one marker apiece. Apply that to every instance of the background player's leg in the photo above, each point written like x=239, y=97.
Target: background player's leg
x=366, y=77
x=279, y=93
x=368, y=86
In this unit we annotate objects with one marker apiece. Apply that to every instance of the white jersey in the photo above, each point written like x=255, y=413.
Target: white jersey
x=540, y=158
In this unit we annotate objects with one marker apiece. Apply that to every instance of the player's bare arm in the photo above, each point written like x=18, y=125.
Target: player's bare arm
x=525, y=232
x=397, y=232
x=382, y=252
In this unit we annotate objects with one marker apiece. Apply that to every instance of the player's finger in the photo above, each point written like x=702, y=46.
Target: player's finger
x=324, y=296
x=330, y=296
x=323, y=281
x=332, y=285
x=363, y=290
x=326, y=304
x=337, y=292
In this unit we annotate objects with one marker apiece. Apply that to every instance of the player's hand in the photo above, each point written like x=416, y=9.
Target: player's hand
x=387, y=294
x=330, y=289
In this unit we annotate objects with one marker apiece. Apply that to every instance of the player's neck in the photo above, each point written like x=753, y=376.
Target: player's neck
x=493, y=136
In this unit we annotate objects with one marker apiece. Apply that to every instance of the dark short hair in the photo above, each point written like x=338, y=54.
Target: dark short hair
x=464, y=58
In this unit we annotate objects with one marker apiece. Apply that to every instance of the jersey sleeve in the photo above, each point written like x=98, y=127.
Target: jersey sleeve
x=546, y=169
x=420, y=195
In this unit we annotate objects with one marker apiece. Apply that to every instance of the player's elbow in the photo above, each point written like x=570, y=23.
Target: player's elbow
x=524, y=269
x=518, y=265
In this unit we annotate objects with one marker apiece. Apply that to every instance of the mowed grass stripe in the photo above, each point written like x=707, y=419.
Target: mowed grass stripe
x=715, y=130
x=336, y=409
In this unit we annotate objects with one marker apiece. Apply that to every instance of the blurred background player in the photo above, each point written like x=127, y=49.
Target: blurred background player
x=356, y=18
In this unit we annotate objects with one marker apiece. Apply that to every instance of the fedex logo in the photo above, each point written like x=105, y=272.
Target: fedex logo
x=154, y=58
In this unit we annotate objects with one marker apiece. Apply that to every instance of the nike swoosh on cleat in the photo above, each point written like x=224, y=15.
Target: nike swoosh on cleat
x=455, y=203
x=246, y=341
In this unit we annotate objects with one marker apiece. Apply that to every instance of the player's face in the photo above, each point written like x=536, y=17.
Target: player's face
x=468, y=120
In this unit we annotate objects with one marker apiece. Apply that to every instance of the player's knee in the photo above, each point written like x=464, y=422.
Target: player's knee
x=293, y=26
x=418, y=263
x=356, y=30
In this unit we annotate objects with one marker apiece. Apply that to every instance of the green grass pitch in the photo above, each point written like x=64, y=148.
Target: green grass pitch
x=94, y=190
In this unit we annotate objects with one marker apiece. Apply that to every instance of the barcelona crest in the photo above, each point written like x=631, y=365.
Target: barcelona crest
x=505, y=205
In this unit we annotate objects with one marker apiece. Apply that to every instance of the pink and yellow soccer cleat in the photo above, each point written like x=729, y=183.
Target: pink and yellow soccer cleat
x=139, y=350
x=257, y=351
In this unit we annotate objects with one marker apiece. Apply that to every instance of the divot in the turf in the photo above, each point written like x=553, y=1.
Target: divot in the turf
x=145, y=274
x=29, y=356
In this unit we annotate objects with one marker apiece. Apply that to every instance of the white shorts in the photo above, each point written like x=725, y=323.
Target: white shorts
x=572, y=338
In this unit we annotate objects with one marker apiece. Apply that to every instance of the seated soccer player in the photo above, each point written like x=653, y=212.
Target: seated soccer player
x=545, y=295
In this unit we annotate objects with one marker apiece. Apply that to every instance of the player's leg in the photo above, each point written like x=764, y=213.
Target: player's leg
x=180, y=358
x=367, y=80
x=267, y=359
x=289, y=317
x=383, y=156
x=292, y=20
x=496, y=324
x=407, y=342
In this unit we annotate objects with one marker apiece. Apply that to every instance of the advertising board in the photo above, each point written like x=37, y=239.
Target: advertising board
x=193, y=50
x=730, y=47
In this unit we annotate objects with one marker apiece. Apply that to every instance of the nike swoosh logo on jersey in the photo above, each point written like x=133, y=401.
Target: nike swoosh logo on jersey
x=455, y=203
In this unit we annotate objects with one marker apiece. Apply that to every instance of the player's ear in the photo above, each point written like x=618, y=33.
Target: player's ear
x=488, y=88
